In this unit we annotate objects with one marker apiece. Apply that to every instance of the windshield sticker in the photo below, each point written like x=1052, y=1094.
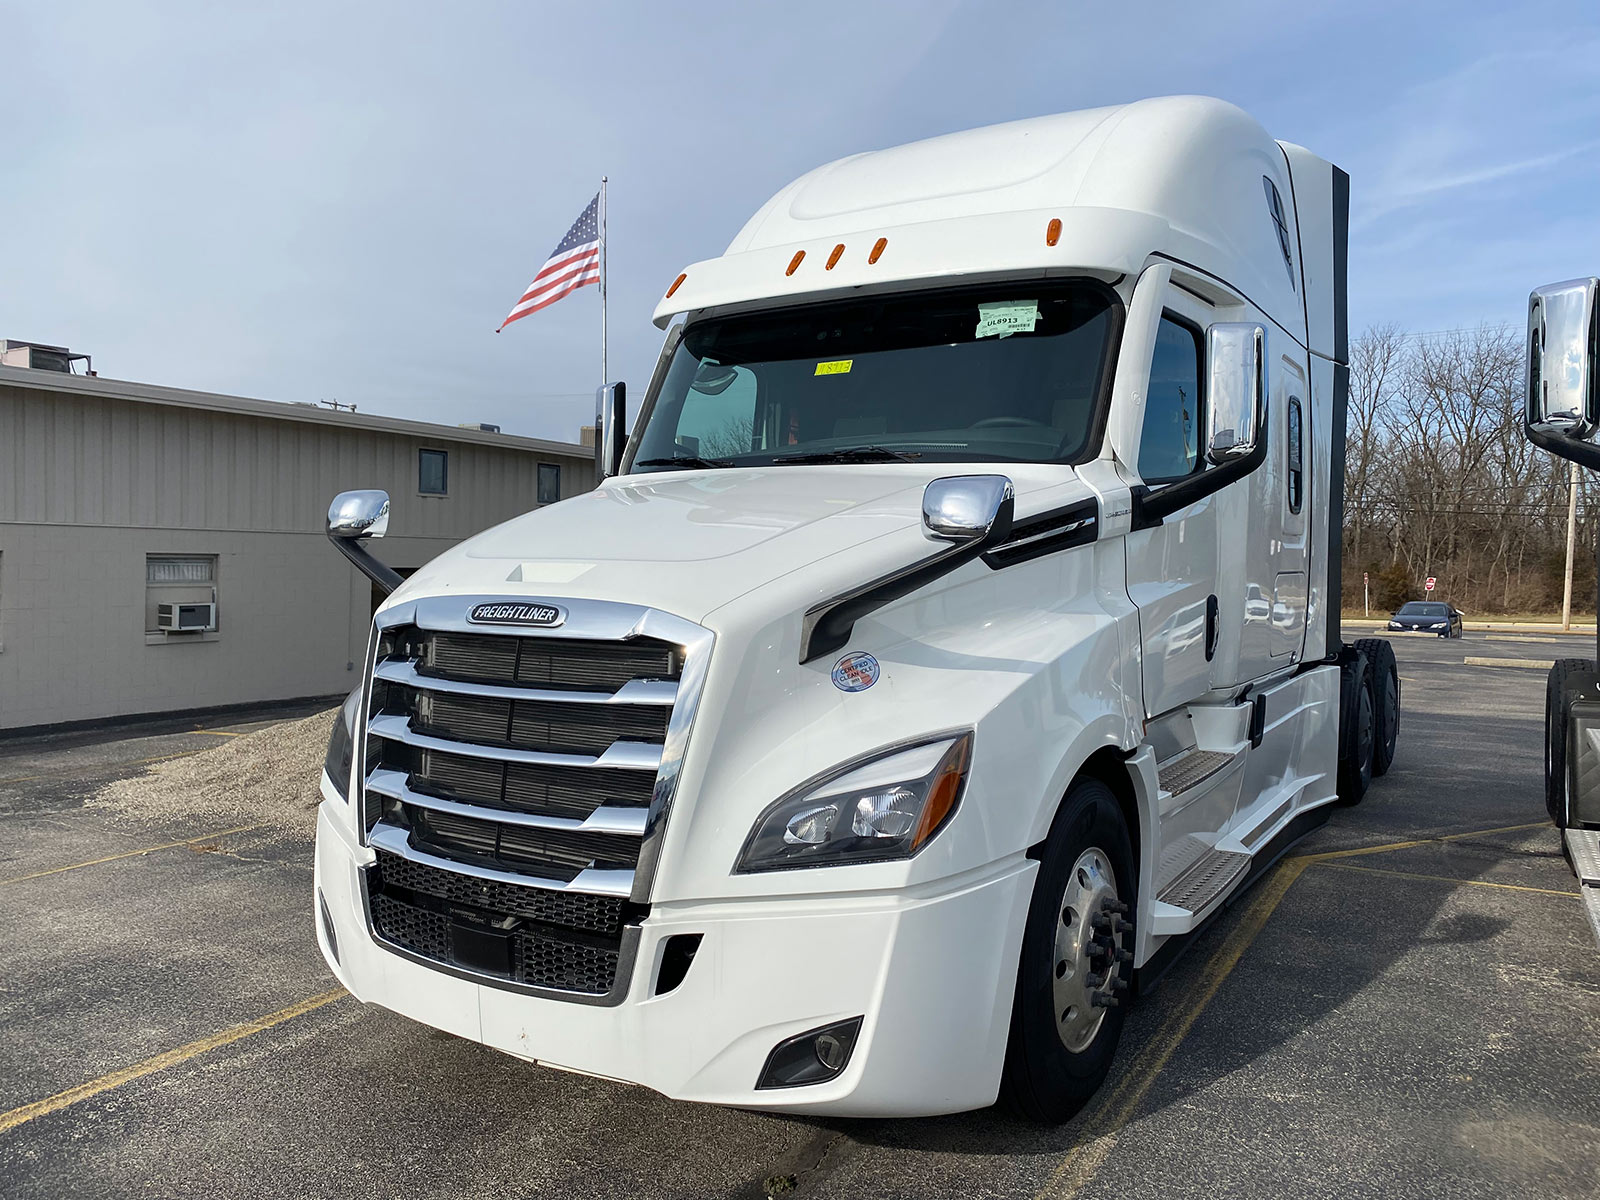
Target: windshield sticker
x=855, y=672
x=1007, y=317
x=838, y=367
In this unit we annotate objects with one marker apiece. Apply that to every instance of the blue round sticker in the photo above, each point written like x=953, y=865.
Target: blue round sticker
x=855, y=672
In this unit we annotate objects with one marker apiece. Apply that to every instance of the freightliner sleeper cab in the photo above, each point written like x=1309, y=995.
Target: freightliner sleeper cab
x=955, y=632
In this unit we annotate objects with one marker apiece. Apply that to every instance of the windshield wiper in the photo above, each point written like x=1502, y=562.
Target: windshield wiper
x=851, y=454
x=686, y=462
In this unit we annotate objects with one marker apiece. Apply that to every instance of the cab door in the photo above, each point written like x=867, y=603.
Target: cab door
x=1172, y=565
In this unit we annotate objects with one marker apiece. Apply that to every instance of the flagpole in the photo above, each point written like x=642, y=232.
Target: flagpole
x=605, y=376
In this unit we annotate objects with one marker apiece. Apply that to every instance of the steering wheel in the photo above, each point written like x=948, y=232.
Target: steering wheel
x=1003, y=422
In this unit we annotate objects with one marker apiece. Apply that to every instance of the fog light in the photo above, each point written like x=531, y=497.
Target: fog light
x=327, y=925
x=813, y=1057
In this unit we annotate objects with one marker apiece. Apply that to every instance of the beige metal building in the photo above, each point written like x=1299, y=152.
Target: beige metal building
x=121, y=502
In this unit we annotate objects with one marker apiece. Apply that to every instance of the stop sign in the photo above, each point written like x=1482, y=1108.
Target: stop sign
x=1430, y=583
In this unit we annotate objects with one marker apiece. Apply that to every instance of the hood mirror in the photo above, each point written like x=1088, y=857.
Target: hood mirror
x=610, y=429
x=1562, y=359
x=1236, y=389
x=968, y=508
x=712, y=379
x=363, y=514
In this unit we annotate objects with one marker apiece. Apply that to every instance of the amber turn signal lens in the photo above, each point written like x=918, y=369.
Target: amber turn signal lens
x=794, y=263
x=946, y=790
x=676, y=284
x=877, y=251
x=1052, y=231
x=834, y=257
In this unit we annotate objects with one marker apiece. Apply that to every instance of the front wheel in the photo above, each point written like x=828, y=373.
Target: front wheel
x=1076, y=963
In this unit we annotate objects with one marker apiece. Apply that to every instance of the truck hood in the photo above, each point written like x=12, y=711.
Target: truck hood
x=688, y=542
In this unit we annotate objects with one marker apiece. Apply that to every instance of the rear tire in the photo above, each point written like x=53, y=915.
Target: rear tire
x=1566, y=678
x=1356, y=732
x=1385, y=673
x=1056, y=1060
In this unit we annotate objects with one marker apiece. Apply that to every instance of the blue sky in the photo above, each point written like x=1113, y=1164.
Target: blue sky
x=343, y=200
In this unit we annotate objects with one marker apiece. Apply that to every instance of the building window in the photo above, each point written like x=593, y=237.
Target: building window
x=433, y=472
x=1169, y=444
x=549, y=483
x=182, y=582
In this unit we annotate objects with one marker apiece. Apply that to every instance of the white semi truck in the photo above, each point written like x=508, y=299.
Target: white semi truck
x=957, y=631
x=1563, y=417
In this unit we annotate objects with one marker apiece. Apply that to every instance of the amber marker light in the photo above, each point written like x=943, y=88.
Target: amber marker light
x=834, y=257
x=877, y=251
x=946, y=790
x=1052, y=231
x=676, y=284
x=794, y=263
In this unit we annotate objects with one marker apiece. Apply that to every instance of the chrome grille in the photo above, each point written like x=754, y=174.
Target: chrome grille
x=510, y=778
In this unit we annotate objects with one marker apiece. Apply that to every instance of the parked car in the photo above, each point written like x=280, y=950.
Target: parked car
x=1427, y=616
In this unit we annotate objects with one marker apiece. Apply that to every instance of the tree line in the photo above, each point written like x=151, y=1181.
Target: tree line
x=1440, y=479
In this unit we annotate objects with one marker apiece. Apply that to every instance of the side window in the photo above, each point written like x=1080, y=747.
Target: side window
x=1295, y=476
x=719, y=414
x=1169, y=444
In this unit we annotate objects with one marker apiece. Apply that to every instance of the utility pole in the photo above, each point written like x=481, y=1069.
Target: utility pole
x=1572, y=535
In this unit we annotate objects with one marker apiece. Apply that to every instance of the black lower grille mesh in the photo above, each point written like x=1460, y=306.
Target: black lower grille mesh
x=535, y=955
x=575, y=910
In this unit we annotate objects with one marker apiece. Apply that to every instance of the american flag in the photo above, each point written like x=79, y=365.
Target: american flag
x=574, y=263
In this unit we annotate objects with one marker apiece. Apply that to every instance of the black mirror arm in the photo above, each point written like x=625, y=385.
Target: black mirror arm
x=1151, y=506
x=380, y=573
x=827, y=627
x=1585, y=454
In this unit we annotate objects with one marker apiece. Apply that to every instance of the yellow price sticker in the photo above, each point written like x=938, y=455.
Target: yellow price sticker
x=838, y=367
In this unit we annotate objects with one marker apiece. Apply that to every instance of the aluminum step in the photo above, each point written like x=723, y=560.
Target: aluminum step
x=1189, y=770
x=1204, y=880
x=1583, y=847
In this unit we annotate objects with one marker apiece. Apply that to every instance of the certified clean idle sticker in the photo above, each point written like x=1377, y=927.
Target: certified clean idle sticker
x=855, y=672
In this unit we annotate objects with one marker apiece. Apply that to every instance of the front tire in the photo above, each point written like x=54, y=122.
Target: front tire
x=1566, y=678
x=1385, y=674
x=1076, y=963
x=1356, y=728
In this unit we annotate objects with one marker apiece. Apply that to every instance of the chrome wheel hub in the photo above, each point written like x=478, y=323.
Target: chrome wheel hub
x=1088, y=973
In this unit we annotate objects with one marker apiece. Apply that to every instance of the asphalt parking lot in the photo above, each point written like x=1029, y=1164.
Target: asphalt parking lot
x=1408, y=1005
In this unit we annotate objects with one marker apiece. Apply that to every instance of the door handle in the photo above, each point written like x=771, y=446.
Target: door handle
x=1211, y=627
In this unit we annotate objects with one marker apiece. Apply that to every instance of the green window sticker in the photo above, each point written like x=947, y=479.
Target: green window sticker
x=1006, y=317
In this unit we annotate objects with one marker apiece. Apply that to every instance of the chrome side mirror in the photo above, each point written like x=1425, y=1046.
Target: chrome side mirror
x=610, y=429
x=968, y=508
x=1561, y=359
x=1236, y=390
x=360, y=514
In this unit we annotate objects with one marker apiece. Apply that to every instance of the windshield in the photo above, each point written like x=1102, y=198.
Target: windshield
x=1418, y=608
x=1008, y=373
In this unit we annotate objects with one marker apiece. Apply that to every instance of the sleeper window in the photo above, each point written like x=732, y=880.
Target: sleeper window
x=1295, y=475
x=1169, y=444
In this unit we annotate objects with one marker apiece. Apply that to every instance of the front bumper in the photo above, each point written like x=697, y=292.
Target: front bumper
x=930, y=972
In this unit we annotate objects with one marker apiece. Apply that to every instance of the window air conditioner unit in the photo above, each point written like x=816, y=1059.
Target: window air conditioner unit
x=195, y=618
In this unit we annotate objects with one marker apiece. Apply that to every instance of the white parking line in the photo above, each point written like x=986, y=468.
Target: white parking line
x=1534, y=664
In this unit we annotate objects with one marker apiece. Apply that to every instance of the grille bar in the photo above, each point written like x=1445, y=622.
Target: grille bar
x=636, y=756
x=593, y=880
x=607, y=818
x=656, y=692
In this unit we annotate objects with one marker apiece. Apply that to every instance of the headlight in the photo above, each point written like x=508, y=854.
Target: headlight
x=879, y=808
x=1440, y=625
x=342, y=743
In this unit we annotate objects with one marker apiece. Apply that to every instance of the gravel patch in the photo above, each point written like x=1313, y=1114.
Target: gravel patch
x=269, y=777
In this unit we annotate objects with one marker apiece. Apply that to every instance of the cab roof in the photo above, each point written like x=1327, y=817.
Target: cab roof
x=1178, y=176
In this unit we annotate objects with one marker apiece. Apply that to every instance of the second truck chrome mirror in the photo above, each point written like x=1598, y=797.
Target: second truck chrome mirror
x=1237, y=352
x=610, y=429
x=1561, y=352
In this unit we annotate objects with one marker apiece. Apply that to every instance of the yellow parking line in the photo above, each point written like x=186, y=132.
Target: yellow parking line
x=1512, y=887
x=95, y=862
x=160, y=1062
x=1083, y=1162
x=218, y=733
